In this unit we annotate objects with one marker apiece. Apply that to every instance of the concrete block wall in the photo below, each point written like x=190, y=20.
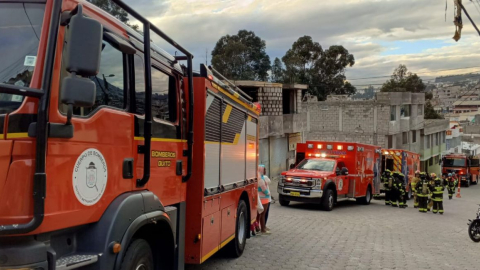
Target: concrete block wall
x=271, y=100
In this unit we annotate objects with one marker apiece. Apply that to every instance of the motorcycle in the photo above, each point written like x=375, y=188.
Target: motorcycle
x=474, y=228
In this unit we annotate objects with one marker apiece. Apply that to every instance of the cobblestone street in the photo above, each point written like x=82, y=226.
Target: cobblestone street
x=362, y=237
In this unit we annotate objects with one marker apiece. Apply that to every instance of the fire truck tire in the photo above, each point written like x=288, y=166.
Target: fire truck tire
x=282, y=201
x=328, y=200
x=236, y=247
x=138, y=256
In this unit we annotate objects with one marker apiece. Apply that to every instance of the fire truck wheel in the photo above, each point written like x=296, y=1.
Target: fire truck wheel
x=328, y=200
x=138, y=256
x=237, y=246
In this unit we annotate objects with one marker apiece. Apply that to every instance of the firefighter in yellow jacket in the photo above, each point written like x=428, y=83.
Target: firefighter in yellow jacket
x=413, y=186
x=437, y=190
x=450, y=183
x=422, y=189
x=431, y=182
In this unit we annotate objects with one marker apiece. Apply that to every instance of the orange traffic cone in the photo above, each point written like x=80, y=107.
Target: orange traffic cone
x=458, y=192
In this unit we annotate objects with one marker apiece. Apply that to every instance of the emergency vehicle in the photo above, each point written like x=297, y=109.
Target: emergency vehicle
x=406, y=162
x=105, y=161
x=329, y=172
x=465, y=167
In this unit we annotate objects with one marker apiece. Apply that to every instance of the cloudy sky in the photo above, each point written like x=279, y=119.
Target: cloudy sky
x=380, y=33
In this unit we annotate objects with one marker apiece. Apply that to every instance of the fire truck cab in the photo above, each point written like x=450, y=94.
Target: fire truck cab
x=331, y=172
x=465, y=167
x=402, y=161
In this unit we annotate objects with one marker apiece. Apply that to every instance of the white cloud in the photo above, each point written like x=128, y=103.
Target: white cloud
x=364, y=27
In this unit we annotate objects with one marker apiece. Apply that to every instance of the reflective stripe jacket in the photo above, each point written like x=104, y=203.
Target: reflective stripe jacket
x=437, y=190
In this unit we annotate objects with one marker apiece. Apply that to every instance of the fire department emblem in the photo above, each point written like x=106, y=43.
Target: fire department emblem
x=90, y=177
x=340, y=184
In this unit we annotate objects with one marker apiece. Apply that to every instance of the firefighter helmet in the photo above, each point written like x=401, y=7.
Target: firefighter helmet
x=433, y=175
x=417, y=172
x=449, y=175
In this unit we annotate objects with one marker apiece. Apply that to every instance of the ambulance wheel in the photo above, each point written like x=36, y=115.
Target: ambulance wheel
x=139, y=256
x=368, y=197
x=328, y=200
x=236, y=247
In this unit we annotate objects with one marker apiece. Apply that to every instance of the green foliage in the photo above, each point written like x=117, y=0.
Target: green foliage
x=114, y=10
x=428, y=95
x=403, y=81
x=430, y=113
x=322, y=70
x=241, y=57
x=277, y=71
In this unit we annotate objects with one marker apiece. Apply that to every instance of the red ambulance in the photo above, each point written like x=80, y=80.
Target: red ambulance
x=328, y=172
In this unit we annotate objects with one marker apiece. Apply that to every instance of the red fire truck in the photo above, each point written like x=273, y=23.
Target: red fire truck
x=465, y=167
x=402, y=161
x=98, y=165
x=328, y=172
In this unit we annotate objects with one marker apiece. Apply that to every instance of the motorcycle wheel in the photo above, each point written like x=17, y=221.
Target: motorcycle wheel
x=474, y=230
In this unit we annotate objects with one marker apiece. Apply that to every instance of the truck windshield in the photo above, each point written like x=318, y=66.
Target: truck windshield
x=474, y=162
x=454, y=162
x=317, y=165
x=20, y=28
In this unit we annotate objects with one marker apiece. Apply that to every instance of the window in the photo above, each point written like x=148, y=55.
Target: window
x=393, y=113
x=414, y=136
x=109, y=82
x=405, y=111
x=163, y=96
x=430, y=162
x=20, y=28
x=420, y=109
x=444, y=137
x=163, y=93
x=436, y=139
x=427, y=141
x=405, y=137
x=437, y=160
x=390, y=141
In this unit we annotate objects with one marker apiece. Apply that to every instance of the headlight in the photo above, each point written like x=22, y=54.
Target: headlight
x=318, y=182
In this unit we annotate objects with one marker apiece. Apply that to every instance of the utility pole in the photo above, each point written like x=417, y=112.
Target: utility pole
x=206, y=57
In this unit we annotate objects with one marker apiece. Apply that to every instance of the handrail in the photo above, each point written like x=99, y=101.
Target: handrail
x=147, y=26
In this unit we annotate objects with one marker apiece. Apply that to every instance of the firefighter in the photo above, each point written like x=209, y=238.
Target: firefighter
x=450, y=183
x=401, y=191
x=413, y=186
x=431, y=182
x=422, y=191
x=437, y=190
x=395, y=193
x=387, y=185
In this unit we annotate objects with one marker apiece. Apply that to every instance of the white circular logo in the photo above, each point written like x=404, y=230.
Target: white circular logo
x=90, y=177
x=340, y=184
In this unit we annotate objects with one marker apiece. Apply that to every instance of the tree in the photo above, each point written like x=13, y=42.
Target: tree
x=241, y=57
x=430, y=112
x=403, y=81
x=277, y=71
x=115, y=11
x=322, y=70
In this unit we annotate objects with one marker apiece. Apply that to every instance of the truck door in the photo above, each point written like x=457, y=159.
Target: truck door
x=376, y=172
x=166, y=158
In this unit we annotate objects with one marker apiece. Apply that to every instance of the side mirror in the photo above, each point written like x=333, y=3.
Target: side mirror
x=344, y=171
x=337, y=171
x=83, y=44
x=82, y=58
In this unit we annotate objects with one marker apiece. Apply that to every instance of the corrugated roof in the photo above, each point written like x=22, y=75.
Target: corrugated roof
x=466, y=103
